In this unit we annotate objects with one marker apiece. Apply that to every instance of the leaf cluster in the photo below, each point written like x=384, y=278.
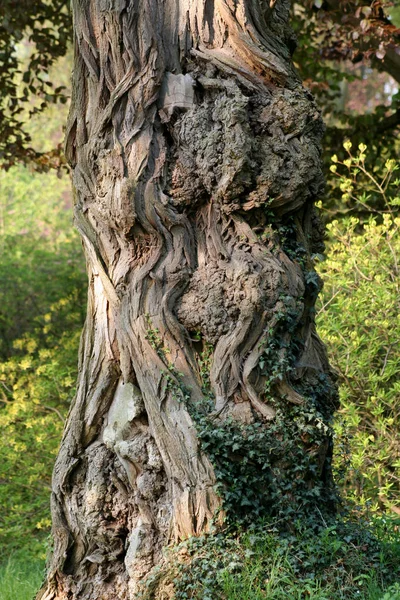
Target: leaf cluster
x=269, y=470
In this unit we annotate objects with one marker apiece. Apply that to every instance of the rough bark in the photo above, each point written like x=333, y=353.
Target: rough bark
x=195, y=158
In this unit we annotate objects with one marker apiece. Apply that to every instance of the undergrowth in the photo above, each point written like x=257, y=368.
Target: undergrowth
x=344, y=560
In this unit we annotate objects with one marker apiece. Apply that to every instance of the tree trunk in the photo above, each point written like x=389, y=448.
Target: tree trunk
x=195, y=158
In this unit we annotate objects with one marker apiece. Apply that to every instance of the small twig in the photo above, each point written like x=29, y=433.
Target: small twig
x=55, y=410
x=328, y=303
x=386, y=359
x=6, y=387
x=322, y=517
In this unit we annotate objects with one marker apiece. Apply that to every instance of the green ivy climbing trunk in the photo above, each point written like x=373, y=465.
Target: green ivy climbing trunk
x=204, y=392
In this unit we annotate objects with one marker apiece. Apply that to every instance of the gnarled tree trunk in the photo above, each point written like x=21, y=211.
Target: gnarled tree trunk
x=195, y=158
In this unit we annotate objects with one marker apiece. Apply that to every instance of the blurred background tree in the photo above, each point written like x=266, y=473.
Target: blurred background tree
x=33, y=36
x=349, y=56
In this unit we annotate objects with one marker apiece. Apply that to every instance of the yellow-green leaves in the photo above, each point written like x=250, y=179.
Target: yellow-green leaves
x=347, y=145
x=359, y=321
x=361, y=186
x=36, y=388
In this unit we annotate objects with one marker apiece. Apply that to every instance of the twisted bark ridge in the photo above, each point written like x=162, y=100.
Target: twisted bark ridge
x=195, y=155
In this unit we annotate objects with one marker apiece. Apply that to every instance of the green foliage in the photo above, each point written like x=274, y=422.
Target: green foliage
x=343, y=58
x=393, y=593
x=42, y=299
x=20, y=578
x=41, y=260
x=36, y=387
x=359, y=320
x=316, y=72
x=263, y=469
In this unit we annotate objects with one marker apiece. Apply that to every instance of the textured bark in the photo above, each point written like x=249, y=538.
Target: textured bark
x=189, y=134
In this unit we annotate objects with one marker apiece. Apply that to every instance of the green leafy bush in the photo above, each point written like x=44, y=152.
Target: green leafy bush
x=42, y=298
x=359, y=320
x=40, y=256
x=36, y=387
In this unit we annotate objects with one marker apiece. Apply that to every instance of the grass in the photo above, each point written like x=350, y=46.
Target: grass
x=20, y=580
x=281, y=581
